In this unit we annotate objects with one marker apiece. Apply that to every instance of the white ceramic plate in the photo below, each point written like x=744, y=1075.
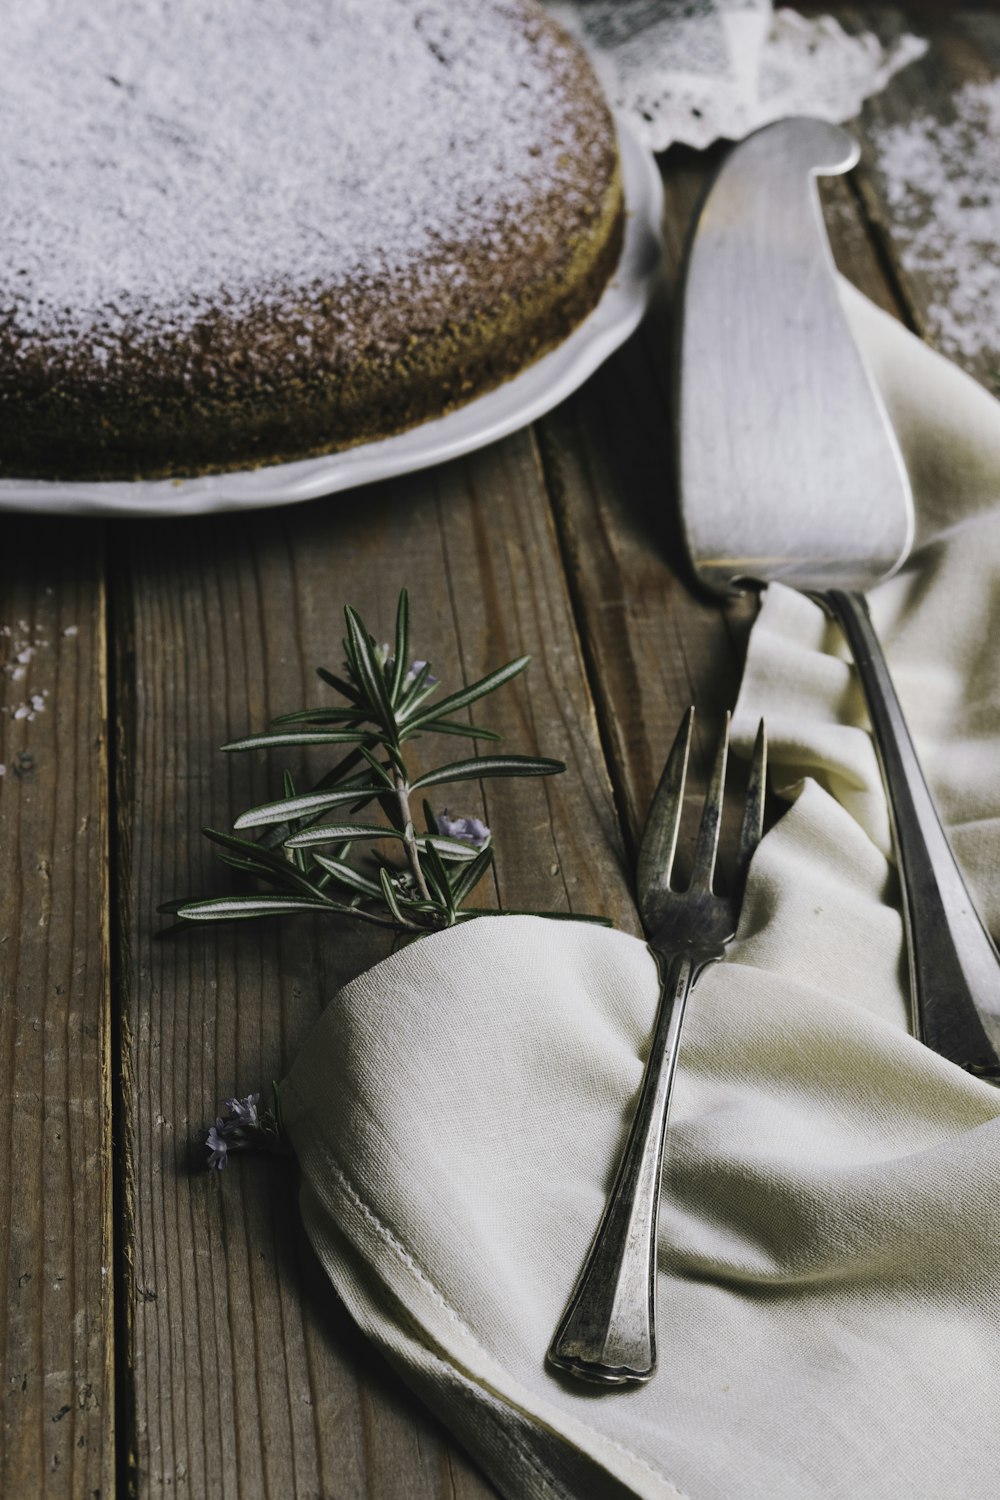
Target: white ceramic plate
x=512, y=405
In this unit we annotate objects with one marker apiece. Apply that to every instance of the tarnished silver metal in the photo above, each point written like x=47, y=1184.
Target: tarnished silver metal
x=954, y=967
x=608, y=1332
x=789, y=470
x=789, y=466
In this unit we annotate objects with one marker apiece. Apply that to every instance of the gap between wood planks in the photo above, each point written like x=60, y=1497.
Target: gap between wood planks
x=119, y=667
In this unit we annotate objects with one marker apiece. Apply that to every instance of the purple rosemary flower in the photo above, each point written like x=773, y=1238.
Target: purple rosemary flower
x=217, y=1145
x=416, y=667
x=467, y=830
x=244, y=1128
x=243, y=1111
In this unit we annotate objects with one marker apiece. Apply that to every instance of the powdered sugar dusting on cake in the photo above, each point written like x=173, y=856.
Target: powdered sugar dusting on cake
x=165, y=159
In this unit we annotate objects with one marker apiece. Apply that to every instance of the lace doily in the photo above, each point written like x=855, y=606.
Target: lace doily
x=696, y=70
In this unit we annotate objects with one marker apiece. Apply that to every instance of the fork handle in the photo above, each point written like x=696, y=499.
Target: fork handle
x=954, y=967
x=607, y=1333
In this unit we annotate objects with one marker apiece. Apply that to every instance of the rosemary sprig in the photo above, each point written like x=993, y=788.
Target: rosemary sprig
x=385, y=873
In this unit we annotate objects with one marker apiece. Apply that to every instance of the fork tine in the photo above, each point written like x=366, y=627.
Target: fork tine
x=708, y=834
x=752, y=826
x=659, y=839
x=607, y=1333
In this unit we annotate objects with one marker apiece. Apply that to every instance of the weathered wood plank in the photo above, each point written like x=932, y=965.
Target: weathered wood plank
x=57, y=1385
x=246, y=1381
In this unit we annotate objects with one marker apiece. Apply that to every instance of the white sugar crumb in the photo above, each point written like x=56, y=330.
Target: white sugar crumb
x=942, y=183
x=165, y=163
x=23, y=643
x=72, y=630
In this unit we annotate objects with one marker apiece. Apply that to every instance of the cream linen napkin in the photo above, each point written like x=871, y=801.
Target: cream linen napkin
x=829, y=1272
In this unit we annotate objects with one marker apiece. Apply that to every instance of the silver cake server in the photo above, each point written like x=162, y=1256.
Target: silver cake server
x=789, y=470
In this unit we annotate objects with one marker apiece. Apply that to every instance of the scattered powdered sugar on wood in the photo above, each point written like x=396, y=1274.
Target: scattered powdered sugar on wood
x=20, y=644
x=942, y=185
x=165, y=161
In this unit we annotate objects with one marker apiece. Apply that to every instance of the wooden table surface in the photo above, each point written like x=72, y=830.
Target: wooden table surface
x=167, y=1330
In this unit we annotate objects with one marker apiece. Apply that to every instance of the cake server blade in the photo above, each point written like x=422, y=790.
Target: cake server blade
x=789, y=466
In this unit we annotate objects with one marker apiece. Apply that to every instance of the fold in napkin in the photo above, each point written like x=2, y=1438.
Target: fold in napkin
x=829, y=1271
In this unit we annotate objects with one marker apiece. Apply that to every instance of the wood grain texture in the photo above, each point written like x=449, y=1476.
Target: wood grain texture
x=247, y=1381
x=56, y=1384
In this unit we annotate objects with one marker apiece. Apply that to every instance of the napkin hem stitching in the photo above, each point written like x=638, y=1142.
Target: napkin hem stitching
x=507, y=1439
x=412, y=1264
x=449, y=1369
x=381, y=1229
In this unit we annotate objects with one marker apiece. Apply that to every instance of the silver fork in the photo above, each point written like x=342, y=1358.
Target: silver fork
x=607, y=1333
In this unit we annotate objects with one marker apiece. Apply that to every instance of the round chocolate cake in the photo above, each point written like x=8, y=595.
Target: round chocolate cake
x=242, y=232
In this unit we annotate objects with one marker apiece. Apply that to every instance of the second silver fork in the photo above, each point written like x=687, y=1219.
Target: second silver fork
x=607, y=1334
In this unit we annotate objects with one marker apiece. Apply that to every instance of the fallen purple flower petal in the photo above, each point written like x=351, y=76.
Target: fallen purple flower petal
x=243, y=1111
x=416, y=667
x=217, y=1145
x=467, y=830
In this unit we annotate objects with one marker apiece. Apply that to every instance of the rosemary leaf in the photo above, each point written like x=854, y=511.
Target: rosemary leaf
x=420, y=688
x=377, y=767
x=321, y=716
x=466, y=880
x=453, y=849
x=304, y=806
x=348, y=876
x=487, y=684
x=553, y=916
x=467, y=731
x=248, y=906
x=369, y=673
x=437, y=876
x=490, y=765
x=339, y=685
x=331, y=833
x=255, y=859
x=402, y=646
x=276, y=741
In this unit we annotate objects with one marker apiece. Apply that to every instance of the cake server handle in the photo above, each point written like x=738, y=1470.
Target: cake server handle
x=954, y=965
